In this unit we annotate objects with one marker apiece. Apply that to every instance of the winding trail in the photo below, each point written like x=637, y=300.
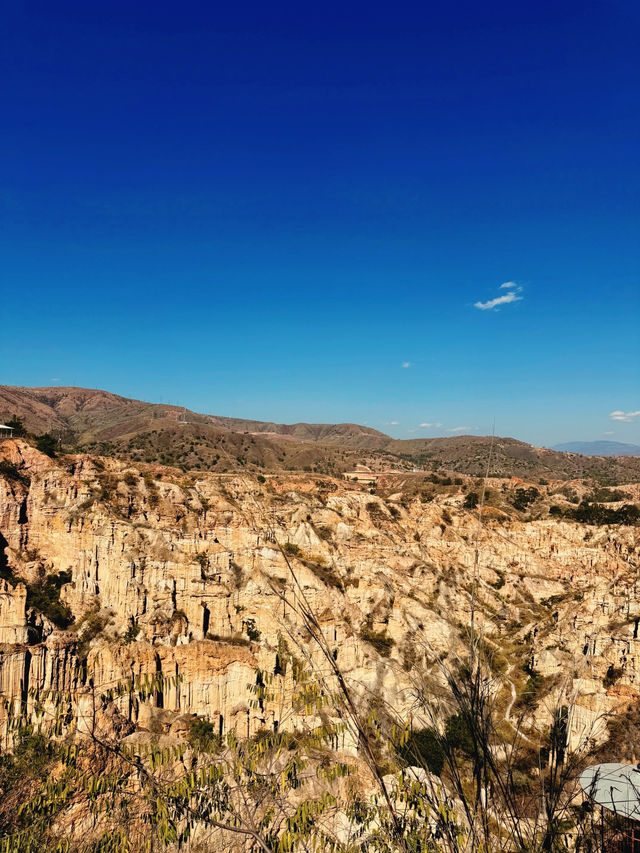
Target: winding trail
x=507, y=713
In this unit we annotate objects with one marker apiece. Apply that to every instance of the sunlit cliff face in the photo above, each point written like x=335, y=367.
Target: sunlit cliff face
x=140, y=570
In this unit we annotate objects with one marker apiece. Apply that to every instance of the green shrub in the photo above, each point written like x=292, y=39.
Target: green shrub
x=471, y=500
x=251, y=630
x=17, y=426
x=31, y=759
x=131, y=634
x=602, y=495
x=458, y=734
x=524, y=498
x=532, y=691
x=92, y=625
x=594, y=513
x=47, y=444
x=423, y=749
x=108, y=485
x=202, y=735
x=45, y=597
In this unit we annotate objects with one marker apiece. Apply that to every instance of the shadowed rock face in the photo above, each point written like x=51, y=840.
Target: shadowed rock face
x=183, y=576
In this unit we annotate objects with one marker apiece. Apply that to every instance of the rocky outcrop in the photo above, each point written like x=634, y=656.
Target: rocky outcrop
x=184, y=577
x=13, y=609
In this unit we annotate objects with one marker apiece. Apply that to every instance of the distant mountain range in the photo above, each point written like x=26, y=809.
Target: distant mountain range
x=599, y=448
x=108, y=424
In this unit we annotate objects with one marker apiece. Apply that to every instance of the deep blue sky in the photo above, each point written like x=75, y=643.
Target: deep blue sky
x=267, y=209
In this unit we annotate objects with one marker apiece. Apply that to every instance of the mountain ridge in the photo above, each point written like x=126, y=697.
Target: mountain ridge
x=599, y=448
x=60, y=404
x=109, y=424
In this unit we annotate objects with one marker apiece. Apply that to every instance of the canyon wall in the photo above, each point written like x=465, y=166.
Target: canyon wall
x=185, y=577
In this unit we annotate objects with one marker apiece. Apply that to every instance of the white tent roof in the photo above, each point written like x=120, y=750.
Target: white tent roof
x=614, y=786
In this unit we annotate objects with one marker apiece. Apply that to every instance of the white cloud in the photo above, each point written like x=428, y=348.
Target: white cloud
x=406, y=364
x=425, y=424
x=512, y=296
x=619, y=415
x=610, y=432
x=459, y=429
x=393, y=423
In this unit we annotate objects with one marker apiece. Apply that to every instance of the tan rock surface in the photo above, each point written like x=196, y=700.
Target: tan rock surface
x=189, y=572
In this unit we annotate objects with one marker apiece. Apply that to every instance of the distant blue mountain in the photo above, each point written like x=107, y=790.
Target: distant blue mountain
x=599, y=448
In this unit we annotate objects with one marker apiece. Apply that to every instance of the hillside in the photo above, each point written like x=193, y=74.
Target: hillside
x=156, y=638
x=469, y=454
x=101, y=415
x=112, y=425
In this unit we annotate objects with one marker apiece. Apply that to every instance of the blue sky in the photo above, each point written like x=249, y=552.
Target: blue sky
x=293, y=211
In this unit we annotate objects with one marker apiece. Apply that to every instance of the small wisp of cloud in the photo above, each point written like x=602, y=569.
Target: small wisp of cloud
x=627, y=417
x=430, y=424
x=459, y=429
x=513, y=295
x=406, y=364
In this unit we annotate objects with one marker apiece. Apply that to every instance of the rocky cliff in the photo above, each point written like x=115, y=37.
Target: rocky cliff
x=113, y=571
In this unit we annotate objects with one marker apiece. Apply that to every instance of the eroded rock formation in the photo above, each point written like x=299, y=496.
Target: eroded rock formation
x=184, y=576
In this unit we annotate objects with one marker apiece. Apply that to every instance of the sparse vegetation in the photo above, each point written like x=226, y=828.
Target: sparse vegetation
x=251, y=630
x=47, y=444
x=523, y=498
x=17, y=425
x=202, y=736
x=131, y=634
x=45, y=597
x=423, y=749
x=593, y=513
x=471, y=500
x=379, y=640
